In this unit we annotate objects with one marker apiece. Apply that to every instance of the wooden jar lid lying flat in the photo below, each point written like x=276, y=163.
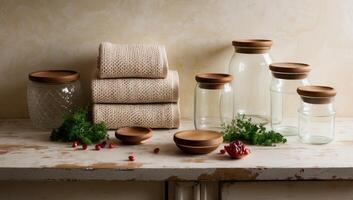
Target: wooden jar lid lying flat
x=197, y=149
x=316, y=94
x=54, y=76
x=133, y=135
x=198, y=138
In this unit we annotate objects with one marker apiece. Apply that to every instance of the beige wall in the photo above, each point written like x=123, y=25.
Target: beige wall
x=41, y=34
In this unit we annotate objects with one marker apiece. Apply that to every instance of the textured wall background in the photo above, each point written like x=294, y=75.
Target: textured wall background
x=42, y=34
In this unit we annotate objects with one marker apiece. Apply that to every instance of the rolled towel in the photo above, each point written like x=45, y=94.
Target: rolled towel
x=135, y=90
x=133, y=61
x=145, y=115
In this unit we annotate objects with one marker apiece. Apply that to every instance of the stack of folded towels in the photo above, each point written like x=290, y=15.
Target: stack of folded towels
x=134, y=87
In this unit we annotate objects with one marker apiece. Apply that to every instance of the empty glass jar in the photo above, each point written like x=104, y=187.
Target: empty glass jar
x=213, y=101
x=51, y=94
x=286, y=78
x=249, y=66
x=316, y=114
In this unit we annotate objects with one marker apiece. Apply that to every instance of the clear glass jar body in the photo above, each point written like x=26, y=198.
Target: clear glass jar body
x=47, y=103
x=251, y=84
x=212, y=107
x=284, y=105
x=316, y=123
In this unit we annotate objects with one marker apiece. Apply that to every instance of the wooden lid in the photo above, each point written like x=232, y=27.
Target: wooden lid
x=315, y=94
x=54, y=76
x=289, y=70
x=213, y=80
x=252, y=46
x=197, y=149
x=198, y=138
x=133, y=135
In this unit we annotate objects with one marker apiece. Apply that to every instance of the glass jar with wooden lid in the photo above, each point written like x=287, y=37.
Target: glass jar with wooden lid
x=51, y=94
x=286, y=78
x=316, y=114
x=249, y=65
x=213, y=101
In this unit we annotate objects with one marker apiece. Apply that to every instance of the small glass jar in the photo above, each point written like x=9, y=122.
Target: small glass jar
x=51, y=94
x=249, y=65
x=213, y=101
x=316, y=114
x=286, y=78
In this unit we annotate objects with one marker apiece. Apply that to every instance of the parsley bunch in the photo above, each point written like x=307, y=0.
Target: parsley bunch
x=77, y=127
x=245, y=130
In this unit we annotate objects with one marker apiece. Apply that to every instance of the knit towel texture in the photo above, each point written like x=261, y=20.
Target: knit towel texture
x=132, y=61
x=145, y=115
x=134, y=90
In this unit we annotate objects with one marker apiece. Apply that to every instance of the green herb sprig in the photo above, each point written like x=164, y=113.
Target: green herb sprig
x=244, y=129
x=77, y=127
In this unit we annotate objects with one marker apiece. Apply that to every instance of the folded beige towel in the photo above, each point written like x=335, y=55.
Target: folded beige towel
x=134, y=60
x=145, y=115
x=135, y=90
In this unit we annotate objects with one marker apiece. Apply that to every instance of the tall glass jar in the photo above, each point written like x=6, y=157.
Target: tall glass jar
x=249, y=66
x=51, y=94
x=213, y=101
x=316, y=114
x=286, y=78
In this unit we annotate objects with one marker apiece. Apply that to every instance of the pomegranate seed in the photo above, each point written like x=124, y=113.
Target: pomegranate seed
x=222, y=151
x=103, y=144
x=131, y=158
x=97, y=147
x=84, y=146
x=111, y=146
x=156, y=150
x=74, y=144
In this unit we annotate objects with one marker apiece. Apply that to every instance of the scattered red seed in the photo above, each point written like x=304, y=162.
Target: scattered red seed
x=111, y=146
x=156, y=150
x=97, y=147
x=74, y=144
x=131, y=158
x=84, y=146
x=103, y=144
x=222, y=151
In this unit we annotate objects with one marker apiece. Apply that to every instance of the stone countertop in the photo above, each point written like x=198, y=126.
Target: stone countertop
x=27, y=154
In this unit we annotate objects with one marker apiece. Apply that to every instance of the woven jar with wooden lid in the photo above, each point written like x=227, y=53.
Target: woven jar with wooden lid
x=51, y=94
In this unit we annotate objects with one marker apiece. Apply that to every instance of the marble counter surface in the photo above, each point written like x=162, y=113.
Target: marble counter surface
x=27, y=154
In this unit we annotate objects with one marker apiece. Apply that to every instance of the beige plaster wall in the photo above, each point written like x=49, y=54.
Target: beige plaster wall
x=41, y=34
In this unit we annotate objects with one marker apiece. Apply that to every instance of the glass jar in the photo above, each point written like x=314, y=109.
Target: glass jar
x=249, y=66
x=316, y=114
x=51, y=94
x=213, y=101
x=286, y=78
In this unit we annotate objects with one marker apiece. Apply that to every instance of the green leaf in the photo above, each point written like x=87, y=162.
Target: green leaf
x=244, y=129
x=77, y=127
